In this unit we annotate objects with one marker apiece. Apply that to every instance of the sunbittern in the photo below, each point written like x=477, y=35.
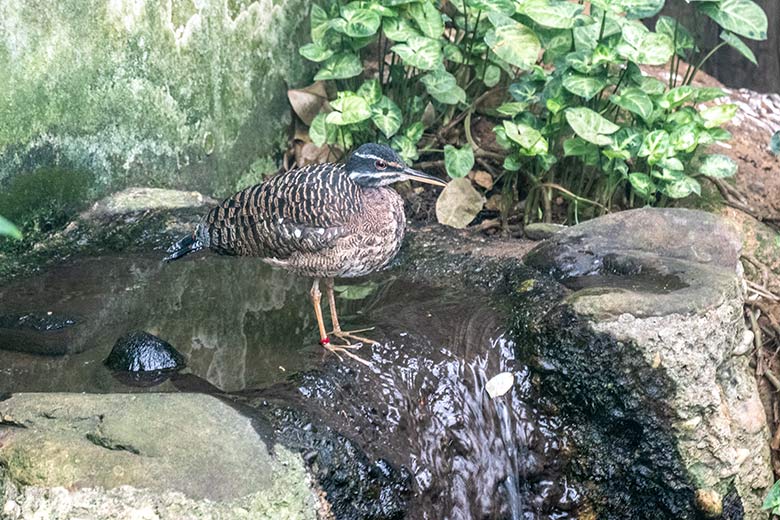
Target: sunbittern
x=322, y=221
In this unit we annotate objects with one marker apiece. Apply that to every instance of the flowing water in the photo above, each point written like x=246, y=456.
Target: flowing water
x=248, y=330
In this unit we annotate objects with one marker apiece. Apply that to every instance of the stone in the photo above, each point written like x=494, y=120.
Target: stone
x=132, y=200
x=143, y=352
x=185, y=94
x=35, y=332
x=541, y=230
x=101, y=457
x=666, y=287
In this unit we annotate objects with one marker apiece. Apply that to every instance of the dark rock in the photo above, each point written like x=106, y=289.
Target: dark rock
x=143, y=352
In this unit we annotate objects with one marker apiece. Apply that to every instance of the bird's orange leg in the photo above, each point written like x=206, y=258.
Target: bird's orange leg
x=345, y=335
x=316, y=297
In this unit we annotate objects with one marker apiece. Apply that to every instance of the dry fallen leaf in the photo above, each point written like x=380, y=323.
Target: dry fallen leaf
x=482, y=178
x=499, y=384
x=458, y=203
x=308, y=101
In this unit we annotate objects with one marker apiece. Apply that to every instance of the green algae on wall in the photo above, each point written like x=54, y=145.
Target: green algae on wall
x=173, y=93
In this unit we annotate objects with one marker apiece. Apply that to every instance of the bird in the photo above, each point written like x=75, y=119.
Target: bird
x=322, y=221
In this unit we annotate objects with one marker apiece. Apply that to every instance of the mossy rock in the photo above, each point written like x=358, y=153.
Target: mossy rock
x=154, y=93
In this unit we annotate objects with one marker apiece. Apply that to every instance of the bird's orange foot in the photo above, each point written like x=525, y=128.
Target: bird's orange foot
x=343, y=349
x=348, y=336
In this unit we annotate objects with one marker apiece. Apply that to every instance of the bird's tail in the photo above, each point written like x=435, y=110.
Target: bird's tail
x=183, y=247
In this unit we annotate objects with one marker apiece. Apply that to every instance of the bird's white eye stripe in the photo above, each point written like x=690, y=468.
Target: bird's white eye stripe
x=368, y=156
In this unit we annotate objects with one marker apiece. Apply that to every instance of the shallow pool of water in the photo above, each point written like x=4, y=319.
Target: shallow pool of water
x=249, y=330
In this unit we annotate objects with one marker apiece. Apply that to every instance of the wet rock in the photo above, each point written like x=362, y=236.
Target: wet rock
x=653, y=344
x=134, y=200
x=143, y=352
x=541, y=230
x=37, y=333
x=110, y=456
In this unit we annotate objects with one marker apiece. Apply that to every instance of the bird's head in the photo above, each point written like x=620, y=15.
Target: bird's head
x=374, y=165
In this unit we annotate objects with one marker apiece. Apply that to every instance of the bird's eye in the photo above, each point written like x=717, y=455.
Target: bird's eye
x=380, y=164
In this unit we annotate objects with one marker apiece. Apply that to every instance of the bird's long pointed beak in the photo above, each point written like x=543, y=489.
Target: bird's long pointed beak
x=416, y=175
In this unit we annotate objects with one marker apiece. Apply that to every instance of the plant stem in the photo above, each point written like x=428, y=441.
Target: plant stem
x=689, y=80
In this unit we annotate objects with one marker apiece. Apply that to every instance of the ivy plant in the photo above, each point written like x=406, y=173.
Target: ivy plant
x=580, y=119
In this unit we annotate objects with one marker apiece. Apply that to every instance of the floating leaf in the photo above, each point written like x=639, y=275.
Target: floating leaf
x=8, y=229
x=590, y=125
x=421, y=52
x=443, y=87
x=458, y=203
x=635, y=101
x=512, y=42
x=717, y=166
x=743, y=17
x=348, y=108
x=386, y=116
x=499, y=384
x=427, y=18
x=341, y=66
x=458, y=161
x=555, y=15
x=583, y=85
x=717, y=115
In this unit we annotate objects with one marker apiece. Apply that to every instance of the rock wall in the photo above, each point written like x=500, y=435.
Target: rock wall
x=185, y=93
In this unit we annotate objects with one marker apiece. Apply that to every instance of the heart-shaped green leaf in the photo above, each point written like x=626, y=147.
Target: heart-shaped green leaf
x=315, y=52
x=348, y=108
x=552, y=14
x=743, y=17
x=441, y=85
x=427, y=18
x=458, y=161
x=420, y=52
x=655, y=146
x=582, y=85
x=717, y=115
x=642, y=184
x=680, y=36
x=635, y=101
x=734, y=41
x=386, y=116
x=682, y=188
x=530, y=139
x=341, y=66
x=359, y=22
x=590, y=125
x=685, y=137
x=641, y=8
x=399, y=30
x=512, y=42
x=717, y=166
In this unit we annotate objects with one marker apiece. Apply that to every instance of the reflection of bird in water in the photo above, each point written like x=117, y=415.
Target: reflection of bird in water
x=322, y=221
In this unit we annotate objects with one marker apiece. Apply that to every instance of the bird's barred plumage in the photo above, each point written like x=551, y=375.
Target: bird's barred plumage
x=313, y=220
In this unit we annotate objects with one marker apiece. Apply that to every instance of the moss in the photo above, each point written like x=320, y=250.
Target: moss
x=147, y=92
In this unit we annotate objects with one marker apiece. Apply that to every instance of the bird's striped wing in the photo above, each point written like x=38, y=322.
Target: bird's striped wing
x=303, y=210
